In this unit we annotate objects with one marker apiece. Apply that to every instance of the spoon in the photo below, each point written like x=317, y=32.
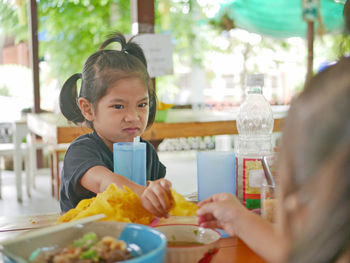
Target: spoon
x=268, y=175
x=55, y=228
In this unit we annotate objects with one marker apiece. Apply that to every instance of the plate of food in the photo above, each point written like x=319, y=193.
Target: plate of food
x=123, y=205
x=99, y=241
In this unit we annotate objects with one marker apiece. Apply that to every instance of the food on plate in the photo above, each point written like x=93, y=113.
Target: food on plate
x=116, y=203
x=87, y=249
x=181, y=206
x=124, y=205
x=268, y=209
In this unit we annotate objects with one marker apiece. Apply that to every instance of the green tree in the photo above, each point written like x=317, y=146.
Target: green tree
x=4, y=91
x=340, y=45
x=192, y=38
x=69, y=31
x=13, y=20
x=73, y=30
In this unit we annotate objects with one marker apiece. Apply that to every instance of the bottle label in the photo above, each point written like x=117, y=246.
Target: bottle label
x=250, y=176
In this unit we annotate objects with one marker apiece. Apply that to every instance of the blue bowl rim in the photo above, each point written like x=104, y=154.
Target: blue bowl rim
x=150, y=254
x=7, y=257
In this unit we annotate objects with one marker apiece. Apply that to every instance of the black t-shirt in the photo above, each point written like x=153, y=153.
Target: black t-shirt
x=86, y=152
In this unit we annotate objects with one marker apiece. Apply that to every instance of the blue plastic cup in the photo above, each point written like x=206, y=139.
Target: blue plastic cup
x=216, y=173
x=130, y=161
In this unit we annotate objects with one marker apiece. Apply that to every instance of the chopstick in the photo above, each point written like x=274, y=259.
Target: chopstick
x=55, y=228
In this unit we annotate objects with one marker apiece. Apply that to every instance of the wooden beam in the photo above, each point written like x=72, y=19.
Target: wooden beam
x=33, y=52
x=142, y=19
x=162, y=130
x=142, y=16
x=34, y=63
x=310, y=50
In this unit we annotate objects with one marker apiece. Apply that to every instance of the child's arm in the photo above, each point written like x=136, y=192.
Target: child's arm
x=156, y=197
x=261, y=236
x=226, y=212
x=98, y=178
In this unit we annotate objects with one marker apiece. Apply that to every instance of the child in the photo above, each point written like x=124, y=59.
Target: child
x=117, y=101
x=313, y=223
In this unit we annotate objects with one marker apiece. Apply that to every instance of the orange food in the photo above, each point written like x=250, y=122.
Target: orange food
x=116, y=203
x=163, y=106
x=181, y=206
x=125, y=206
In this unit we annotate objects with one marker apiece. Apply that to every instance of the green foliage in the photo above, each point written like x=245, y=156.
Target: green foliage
x=167, y=88
x=11, y=22
x=69, y=31
x=191, y=37
x=341, y=45
x=190, y=34
x=74, y=29
x=4, y=91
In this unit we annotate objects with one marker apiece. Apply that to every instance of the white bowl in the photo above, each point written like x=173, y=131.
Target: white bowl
x=208, y=238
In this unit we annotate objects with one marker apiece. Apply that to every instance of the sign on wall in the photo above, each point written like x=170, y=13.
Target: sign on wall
x=158, y=50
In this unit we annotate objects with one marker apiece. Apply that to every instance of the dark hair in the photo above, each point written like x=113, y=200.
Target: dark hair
x=315, y=162
x=102, y=69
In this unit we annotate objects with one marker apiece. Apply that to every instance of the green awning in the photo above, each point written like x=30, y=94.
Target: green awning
x=280, y=18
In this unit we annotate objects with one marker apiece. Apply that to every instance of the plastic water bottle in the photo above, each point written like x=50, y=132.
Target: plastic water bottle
x=254, y=125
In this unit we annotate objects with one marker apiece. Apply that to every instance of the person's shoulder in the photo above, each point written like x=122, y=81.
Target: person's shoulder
x=86, y=144
x=149, y=145
x=151, y=152
x=83, y=141
x=83, y=138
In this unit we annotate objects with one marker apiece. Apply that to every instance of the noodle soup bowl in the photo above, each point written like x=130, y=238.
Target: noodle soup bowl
x=189, y=243
x=145, y=244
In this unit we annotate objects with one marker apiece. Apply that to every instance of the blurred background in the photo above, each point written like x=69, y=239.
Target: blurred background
x=214, y=48
x=214, y=45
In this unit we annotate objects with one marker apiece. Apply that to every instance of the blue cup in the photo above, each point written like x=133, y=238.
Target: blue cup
x=130, y=161
x=216, y=173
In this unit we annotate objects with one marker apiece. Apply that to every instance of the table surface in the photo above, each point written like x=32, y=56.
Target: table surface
x=55, y=129
x=232, y=249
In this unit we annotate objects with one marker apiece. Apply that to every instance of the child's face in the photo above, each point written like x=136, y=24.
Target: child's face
x=122, y=113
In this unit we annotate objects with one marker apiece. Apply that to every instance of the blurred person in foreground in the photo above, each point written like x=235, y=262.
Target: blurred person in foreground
x=313, y=202
x=313, y=206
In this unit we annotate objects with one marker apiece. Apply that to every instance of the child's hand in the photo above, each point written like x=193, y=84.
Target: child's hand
x=219, y=211
x=157, y=197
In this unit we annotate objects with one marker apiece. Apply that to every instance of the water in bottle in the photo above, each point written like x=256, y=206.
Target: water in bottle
x=254, y=125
